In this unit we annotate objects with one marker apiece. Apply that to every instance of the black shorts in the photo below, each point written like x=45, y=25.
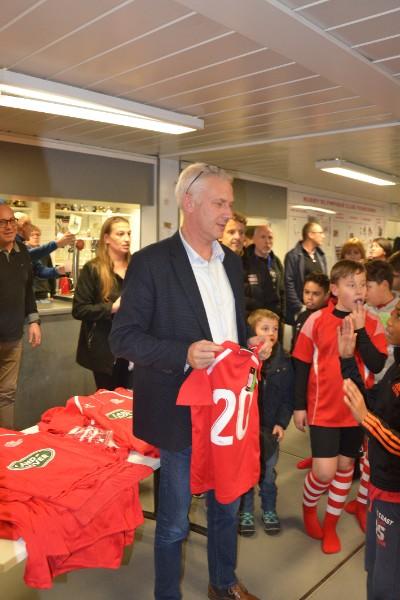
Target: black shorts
x=327, y=442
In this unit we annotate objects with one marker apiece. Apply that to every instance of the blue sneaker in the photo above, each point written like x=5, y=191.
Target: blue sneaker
x=247, y=527
x=272, y=525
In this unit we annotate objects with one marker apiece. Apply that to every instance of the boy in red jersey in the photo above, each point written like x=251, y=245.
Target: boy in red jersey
x=335, y=435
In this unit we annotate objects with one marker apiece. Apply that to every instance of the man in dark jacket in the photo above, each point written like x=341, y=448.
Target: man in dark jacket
x=263, y=273
x=17, y=304
x=306, y=257
x=182, y=298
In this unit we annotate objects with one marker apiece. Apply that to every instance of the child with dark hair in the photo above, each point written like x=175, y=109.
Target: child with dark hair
x=315, y=296
x=335, y=435
x=276, y=403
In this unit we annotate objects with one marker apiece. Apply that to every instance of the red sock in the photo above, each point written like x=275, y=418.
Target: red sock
x=313, y=490
x=358, y=507
x=305, y=463
x=338, y=490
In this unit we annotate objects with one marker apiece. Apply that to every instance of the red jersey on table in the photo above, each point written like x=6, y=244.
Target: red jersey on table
x=317, y=345
x=108, y=410
x=225, y=423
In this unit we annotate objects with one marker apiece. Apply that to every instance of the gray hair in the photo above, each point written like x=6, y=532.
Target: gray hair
x=197, y=172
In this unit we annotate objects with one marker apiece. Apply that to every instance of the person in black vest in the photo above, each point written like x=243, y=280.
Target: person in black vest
x=263, y=273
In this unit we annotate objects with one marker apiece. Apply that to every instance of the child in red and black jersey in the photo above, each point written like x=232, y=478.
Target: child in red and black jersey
x=379, y=416
x=335, y=435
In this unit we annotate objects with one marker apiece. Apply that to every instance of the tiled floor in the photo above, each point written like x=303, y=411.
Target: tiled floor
x=290, y=566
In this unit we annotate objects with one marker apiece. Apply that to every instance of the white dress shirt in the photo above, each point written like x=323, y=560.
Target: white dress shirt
x=216, y=292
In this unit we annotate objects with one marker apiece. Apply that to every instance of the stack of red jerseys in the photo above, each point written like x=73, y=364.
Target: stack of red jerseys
x=225, y=424
x=104, y=410
x=74, y=509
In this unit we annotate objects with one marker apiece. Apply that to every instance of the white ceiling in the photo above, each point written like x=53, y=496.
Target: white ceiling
x=279, y=84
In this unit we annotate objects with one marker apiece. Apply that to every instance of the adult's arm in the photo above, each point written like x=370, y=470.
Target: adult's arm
x=31, y=311
x=40, y=270
x=41, y=251
x=132, y=335
x=373, y=359
x=286, y=406
x=86, y=305
x=293, y=302
x=281, y=285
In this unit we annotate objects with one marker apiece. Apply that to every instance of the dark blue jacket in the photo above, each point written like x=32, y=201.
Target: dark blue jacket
x=294, y=279
x=161, y=315
x=276, y=390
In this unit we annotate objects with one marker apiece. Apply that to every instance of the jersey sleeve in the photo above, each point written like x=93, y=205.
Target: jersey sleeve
x=196, y=389
x=376, y=332
x=387, y=437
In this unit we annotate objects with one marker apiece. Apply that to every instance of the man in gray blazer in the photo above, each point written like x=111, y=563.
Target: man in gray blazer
x=183, y=297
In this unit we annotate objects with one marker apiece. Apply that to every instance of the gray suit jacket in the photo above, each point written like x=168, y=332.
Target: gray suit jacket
x=161, y=314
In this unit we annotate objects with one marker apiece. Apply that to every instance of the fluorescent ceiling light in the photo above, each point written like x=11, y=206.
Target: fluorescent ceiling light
x=358, y=172
x=40, y=95
x=314, y=208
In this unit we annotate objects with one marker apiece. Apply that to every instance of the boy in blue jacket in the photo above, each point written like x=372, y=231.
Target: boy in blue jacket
x=276, y=404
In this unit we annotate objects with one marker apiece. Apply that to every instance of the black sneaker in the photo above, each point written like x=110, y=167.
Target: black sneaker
x=272, y=525
x=247, y=527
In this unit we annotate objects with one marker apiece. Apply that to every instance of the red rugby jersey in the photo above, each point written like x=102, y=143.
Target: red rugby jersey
x=317, y=345
x=225, y=423
x=107, y=410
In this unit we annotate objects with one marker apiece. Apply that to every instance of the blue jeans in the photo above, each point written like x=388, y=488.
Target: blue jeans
x=173, y=527
x=268, y=489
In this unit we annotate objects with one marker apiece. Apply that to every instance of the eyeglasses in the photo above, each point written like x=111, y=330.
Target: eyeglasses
x=322, y=232
x=4, y=222
x=193, y=180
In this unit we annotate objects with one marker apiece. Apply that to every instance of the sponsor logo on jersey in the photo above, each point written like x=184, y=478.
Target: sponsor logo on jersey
x=251, y=380
x=120, y=413
x=37, y=459
x=13, y=443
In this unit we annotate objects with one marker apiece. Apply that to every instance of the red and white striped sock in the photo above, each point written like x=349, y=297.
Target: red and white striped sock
x=338, y=491
x=358, y=506
x=312, y=492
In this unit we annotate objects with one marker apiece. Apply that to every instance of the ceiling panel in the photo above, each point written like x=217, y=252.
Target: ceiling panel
x=381, y=49
x=373, y=29
x=13, y=9
x=226, y=48
x=186, y=32
x=43, y=25
x=391, y=65
x=337, y=12
x=131, y=21
x=287, y=95
x=275, y=75
x=236, y=70
x=250, y=83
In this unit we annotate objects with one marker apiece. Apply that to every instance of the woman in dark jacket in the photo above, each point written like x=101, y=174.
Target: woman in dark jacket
x=97, y=299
